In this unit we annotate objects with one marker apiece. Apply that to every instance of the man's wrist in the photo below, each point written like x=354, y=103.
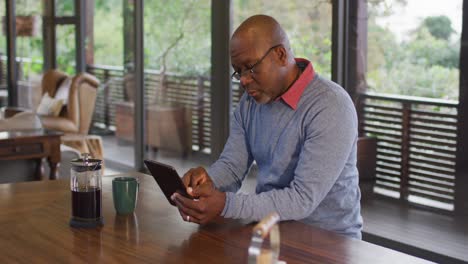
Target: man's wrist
x=226, y=199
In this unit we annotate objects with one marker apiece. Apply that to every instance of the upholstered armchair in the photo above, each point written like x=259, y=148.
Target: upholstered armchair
x=74, y=119
x=76, y=116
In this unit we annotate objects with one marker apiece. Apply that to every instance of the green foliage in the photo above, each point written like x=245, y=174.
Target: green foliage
x=429, y=50
x=27, y=7
x=406, y=78
x=425, y=65
x=64, y=7
x=383, y=49
x=29, y=48
x=108, y=32
x=177, y=33
x=178, y=36
x=439, y=26
x=379, y=8
x=66, y=48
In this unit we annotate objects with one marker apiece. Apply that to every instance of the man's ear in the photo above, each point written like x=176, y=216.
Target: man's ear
x=281, y=55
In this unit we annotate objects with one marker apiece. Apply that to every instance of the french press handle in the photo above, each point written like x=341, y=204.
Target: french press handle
x=266, y=228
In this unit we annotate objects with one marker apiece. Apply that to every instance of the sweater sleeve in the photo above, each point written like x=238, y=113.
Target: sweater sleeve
x=230, y=169
x=330, y=133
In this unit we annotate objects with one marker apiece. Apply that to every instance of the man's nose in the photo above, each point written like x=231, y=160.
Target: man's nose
x=245, y=80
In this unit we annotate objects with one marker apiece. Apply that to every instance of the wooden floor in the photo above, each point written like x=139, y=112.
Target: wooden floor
x=417, y=232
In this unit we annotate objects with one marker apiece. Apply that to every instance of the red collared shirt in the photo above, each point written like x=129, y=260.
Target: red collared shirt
x=293, y=94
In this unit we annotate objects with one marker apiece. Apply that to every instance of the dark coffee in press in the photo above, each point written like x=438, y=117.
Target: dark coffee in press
x=86, y=204
x=86, y=196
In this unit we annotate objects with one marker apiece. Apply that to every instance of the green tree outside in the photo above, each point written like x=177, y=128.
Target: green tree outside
x=425, y=65
x=177, y=39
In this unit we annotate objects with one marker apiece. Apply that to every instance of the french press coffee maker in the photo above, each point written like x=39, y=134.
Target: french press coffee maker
x=86, y=186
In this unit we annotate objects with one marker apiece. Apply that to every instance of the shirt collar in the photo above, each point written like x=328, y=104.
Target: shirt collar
x=293, y=94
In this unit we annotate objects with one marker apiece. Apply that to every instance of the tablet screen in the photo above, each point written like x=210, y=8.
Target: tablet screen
x=167, y=178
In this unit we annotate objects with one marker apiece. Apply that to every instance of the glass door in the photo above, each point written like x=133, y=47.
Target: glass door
x=177, y=81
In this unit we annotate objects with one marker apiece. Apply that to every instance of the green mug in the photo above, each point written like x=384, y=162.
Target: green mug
x=125, y=194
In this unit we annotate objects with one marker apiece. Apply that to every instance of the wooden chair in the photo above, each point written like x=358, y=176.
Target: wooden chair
x=366, y=163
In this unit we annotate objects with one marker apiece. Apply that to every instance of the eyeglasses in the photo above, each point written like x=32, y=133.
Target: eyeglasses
x=237, y=75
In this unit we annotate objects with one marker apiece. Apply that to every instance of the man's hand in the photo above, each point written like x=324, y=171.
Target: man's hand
x=195, y=177
x=209, y=203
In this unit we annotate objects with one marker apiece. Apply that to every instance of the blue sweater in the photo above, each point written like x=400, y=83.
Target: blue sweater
x=306, y=159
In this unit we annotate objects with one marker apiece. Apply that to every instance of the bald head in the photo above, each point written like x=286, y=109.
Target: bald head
x=262, y=58
x=260, y=30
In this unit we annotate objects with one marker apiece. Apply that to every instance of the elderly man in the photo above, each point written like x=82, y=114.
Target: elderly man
x=299, y=128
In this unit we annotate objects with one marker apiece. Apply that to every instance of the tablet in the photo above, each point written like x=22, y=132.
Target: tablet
x=167, y=178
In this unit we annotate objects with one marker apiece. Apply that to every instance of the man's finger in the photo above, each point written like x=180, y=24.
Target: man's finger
x=188, y=206
x=187, y=176
x=188, y=218
x=205, y=189
x=194, y=177
x=184, y=211
x=198, y=177
x=188, y=214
